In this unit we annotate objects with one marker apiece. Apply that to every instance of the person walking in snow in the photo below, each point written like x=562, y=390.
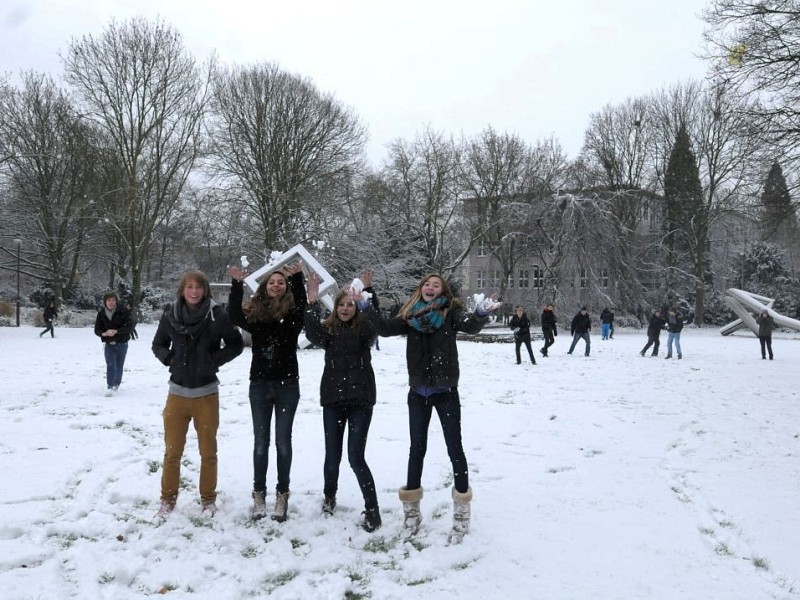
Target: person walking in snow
x=274, y=318
x=134, y=320
x=347, y=390
x=520, y=324
x=606, y=323
x=674, y=327
x=765, y=326
x=113, y=326
x=194, y=339
x=49, y=315
x=430, y=320
x=657, y=323
x=549, y=328
x=580, y=328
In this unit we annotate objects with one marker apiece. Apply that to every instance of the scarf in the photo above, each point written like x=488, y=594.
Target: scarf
x=186, y=322
x=428, y=316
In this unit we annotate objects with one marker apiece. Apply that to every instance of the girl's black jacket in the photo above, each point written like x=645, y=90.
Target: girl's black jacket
x=348, y=378
x=274, y=342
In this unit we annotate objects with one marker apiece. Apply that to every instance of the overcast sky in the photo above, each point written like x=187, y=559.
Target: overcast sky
x=529, y=67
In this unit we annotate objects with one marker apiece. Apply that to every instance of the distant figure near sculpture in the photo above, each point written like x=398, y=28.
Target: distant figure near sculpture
x=765, y=326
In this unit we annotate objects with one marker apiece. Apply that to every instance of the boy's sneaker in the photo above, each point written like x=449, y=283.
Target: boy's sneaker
x=328, y=505
x=167, y=506
x=372, y=519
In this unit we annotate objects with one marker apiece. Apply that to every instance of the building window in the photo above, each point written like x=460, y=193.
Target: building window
x=538, y=277
x=480, y=279
x=481, y=247
x=584, y=278
x=604, y=278
x=523, y=278
x=496, y=278
x=510, y=281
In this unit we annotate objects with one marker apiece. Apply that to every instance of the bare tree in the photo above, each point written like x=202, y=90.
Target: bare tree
x=138, y=82
x=755, y=47
x=280, y=145
x=49, y=155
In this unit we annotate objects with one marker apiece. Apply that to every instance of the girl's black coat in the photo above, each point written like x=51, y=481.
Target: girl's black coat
x=524, y=324
x=348, y=378
x=548, y=320
x=194, y=355
x=432, y=358
x=274, y=342
x=120, y=320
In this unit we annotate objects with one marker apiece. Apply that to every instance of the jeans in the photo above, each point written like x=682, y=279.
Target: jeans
x=549, y=340
x=581, y=336
x=518, y=341
x=357, y=420
x=766, y=344
x=652, y=341
x=674, y=337
x=115, y=360
x=283, y=396
x=448, y=408
x=204, y=411
x=605, y=330
x=48, y=326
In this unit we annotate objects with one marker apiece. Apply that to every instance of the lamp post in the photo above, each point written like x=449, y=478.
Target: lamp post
x=18, y=242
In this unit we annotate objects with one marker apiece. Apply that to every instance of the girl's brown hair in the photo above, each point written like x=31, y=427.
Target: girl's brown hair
x=416, y=296
x=263, y=308
x=333, y=323
x=197, y=277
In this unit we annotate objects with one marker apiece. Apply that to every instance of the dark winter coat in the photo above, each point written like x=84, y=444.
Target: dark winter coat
x=522, y=325
x=548, y=319
x=581, y=323
x=120, y=320
x=655, y=326
x=674, y=323
x=765, y=325
x=606, y=316
x=431, y=358
x=50, y=313
x=194, y=351
x=348, y=378
x=274, y=342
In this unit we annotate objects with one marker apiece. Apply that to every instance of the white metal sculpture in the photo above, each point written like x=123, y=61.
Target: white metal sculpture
x=327, y=287
x=748, y=306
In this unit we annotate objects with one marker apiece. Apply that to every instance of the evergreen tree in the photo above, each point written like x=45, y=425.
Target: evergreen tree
x=685, y=209
x=777, y=218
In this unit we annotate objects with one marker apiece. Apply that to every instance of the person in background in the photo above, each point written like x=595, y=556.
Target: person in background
x=274, y=318
x=580, y=328
x=194, y=339
x=657, y=323
x=49, y=315
x=765, y=326
x=347, y=391
x=607, y=322
x=549, y=328
x=521, y=326
x=113, y=326
x=134, y=320
x=430, y=319
x=674, y=327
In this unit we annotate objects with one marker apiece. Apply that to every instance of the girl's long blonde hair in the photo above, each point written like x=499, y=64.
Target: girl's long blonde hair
x=416, y=296
x=263, y=308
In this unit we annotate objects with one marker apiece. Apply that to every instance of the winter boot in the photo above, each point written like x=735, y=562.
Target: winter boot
x=461, y=516
x=372, y=519
x=328, y=504
x=281, y=507
x=412, y=515
x=209, y=507
x=167, y=506
x=259, y=510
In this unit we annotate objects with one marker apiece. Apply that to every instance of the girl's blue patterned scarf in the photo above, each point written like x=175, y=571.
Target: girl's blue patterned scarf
x=428, y=316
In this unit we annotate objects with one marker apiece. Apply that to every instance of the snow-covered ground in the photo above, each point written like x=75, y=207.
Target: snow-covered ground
x=609, y=477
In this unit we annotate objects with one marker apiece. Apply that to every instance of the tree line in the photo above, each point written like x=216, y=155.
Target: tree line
x=146, y=161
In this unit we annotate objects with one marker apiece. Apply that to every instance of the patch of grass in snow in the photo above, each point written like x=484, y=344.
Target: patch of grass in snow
x=761, y=563
x=377, y=544
x=726, y=524
x=706, y=531
x=722, y=549
x=153, y=466
x=280, y=579
x=422, y=581
x=418, y=544
x=442, y=510
x=105, y=579
x=351, y=595
x=297, y=543
x=249, y=552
